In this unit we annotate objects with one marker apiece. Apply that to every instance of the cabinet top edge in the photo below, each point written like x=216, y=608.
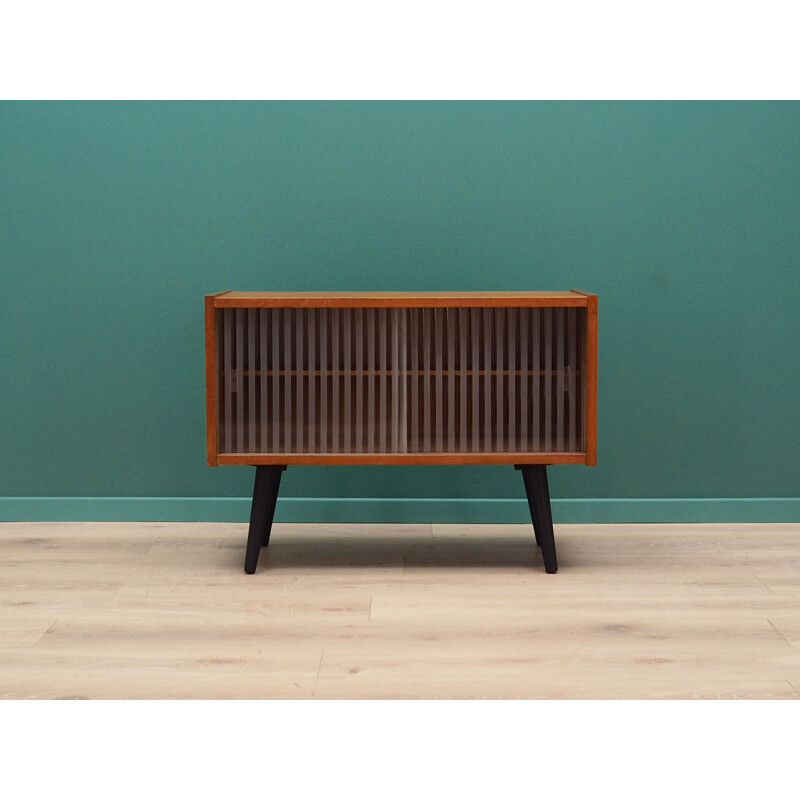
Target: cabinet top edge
x=397, y=299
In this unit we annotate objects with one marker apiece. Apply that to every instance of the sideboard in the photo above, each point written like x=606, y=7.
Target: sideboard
x=401, y=378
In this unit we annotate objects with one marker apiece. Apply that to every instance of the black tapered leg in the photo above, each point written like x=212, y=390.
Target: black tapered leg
x=265, y=496
x=535, y=478
x=527, y=482
x=276, y=477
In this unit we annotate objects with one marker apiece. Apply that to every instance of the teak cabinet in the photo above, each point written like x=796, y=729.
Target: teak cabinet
x=401, y=378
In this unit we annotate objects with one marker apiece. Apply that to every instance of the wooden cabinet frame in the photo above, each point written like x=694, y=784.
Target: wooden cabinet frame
x=401, y=378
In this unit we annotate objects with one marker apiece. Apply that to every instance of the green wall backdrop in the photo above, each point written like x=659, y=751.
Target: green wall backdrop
x=117, y=217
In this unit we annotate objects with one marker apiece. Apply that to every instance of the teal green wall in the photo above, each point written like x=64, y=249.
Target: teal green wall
x=116, y=218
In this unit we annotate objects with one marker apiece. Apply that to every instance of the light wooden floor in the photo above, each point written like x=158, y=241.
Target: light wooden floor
x=164, y=610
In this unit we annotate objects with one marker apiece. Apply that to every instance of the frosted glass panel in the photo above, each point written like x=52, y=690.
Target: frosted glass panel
x=401, y=380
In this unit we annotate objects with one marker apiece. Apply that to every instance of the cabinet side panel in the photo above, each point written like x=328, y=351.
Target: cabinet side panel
x=211, y=382
x=591, y=381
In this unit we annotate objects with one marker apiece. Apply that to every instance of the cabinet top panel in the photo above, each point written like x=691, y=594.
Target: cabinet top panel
x=231, y=299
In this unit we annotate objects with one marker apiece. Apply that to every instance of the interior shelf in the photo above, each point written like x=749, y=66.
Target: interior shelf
x=246, y=373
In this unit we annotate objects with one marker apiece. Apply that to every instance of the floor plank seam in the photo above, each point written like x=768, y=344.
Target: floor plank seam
x=122, y=583
x=780, y=634
x=721, y=544
x=155, y=542
x=46, y=632
x=764, y=585
x=319, y=669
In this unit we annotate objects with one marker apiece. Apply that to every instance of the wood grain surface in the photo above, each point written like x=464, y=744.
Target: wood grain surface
x=233, y=299
x=163, y=610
